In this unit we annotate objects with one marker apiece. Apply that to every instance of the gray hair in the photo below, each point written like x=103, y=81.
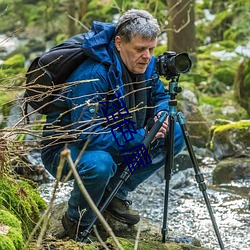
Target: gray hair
x=137, y=22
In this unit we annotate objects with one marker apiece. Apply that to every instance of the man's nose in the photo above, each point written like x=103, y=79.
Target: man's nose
x=146, y=54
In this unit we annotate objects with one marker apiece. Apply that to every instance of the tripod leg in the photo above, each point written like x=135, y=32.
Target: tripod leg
x=168, y=173
x=199, y=177
x=123, y=178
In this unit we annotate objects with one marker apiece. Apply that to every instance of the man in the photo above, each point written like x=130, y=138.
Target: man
x=109, y=113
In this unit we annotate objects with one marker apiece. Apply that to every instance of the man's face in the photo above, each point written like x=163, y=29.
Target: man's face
x=137, y=53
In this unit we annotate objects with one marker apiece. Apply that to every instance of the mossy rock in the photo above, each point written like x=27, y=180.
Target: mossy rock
x=232, y=139
x=128, y=244
x=21, y=199
x=11, y=237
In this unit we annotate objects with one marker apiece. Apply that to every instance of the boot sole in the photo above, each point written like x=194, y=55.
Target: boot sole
x=121, y=219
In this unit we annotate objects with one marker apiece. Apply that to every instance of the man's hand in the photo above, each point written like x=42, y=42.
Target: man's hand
x=164, y=128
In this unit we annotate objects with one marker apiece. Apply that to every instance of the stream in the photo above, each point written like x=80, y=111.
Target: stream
x=187, y=212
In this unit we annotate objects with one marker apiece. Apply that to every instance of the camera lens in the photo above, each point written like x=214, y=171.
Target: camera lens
x=182, y=63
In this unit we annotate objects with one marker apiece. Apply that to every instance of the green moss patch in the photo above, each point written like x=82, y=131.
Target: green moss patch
x=10, y=231
x=22, y=200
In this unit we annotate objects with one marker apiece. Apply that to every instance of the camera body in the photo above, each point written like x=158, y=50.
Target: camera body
x=171, y=65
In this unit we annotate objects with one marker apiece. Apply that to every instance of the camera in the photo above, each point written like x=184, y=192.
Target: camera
x=171, y=65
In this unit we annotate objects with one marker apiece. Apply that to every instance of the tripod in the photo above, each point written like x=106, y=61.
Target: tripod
x=126, y=172
x=173, y=90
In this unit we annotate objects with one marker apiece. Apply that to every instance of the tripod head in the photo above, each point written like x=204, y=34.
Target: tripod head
x=174, y=89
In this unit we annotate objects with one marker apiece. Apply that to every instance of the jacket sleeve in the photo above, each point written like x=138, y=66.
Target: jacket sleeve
x=88, y=122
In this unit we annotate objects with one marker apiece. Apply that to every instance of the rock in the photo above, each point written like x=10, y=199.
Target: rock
x=149, y=238
x=232, y=139
x=197, y=125
x=181, y=179
x=231, y=169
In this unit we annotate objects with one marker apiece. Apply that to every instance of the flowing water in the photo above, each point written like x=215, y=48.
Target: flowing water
x=187, y=212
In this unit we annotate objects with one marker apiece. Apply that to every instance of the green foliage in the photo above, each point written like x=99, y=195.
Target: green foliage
x=6, y=243
x=22, y=200
x=242, y=84
x=229, y=23
x=224, y=75
x=219, y=102
x=17, y=61
x=12, y=67
x=13, y=238
x=214, y=101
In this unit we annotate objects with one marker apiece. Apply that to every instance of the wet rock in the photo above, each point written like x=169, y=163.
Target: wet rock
x=181, y=179
x=231, y=139
x=231, y=169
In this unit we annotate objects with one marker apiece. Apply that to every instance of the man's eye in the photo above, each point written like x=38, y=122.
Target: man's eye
x=139, y=50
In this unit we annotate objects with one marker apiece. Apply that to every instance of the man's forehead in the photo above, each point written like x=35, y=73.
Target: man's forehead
x=139, y=40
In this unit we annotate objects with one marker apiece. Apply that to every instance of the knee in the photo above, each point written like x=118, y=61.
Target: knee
x=98, y=165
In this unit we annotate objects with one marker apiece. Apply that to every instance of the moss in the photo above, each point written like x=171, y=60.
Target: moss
x=128, y=244
x=13, y=71
x=225, y=75
x=16, y=237
x=242, y=84
x=16, y=61
x=214, y=101
x=235, y=125
x=9, y=219
x=21, y=199
x=13, y=239
x=6, y=243
x=220, y=131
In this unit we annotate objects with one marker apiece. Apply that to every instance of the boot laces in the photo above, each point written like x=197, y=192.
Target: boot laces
x=127, y=203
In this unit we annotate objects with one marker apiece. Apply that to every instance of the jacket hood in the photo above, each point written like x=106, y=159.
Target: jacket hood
x=98, y=43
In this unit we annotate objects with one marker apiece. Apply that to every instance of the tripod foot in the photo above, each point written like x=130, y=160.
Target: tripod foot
x=164, y=232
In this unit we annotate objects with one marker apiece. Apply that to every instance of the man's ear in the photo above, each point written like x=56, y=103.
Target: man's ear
x=118, y=42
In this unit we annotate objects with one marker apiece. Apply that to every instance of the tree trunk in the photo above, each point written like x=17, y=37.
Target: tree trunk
x=181, y=27
x=71, y=6
x=83, y=7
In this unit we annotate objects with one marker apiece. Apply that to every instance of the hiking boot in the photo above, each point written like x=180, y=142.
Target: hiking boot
x=75, y=231
x=121, y=211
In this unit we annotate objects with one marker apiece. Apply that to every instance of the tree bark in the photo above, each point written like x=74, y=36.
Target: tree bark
x=71, y=6
x=181, y=27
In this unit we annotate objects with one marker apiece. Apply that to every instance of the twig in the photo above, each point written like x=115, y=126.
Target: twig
x=66, y=154
x=77, y=21
x=99, y=238
x=137, y=236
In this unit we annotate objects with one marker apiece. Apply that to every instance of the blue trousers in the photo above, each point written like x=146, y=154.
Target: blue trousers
x=99, y=171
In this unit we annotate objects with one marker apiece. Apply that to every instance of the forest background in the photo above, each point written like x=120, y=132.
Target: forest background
x=214, y=33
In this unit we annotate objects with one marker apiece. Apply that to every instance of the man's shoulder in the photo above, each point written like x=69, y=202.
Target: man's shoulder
x=89, y=68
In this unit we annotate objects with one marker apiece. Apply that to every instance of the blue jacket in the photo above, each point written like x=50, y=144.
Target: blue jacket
x=102, y=73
